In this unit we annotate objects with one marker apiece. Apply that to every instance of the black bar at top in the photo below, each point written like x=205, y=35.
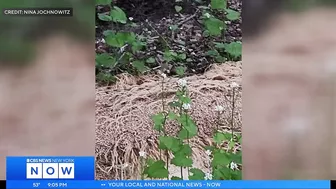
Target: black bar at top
x=2, y=184
x=333, y=184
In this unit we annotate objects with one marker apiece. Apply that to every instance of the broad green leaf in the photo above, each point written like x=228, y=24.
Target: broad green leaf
x=174, y=104
x=219, y=45
x=234, y=49
x=180, y=70
x=105, y=60
x=108, y=32
x=231, y=144
x=214, y=26
x=217, y=175
x=212, y=53
x=184, y=99
x=114, y=40
x=188, y=124
x=118, y=15
x=169, y=143
x=221, y=173
x=105, y=77
x=139, y=66
x=218, y=4
x=167, y=56
x=174, y=54
x=197, y=174
x=184, y=150
x=172, y=115
x=211, y=148
x=232, y=14
x=137, y=46
x=126, y=58
x=236, y=175
x=220, y=59
x=130, y=37
x=206, y=33
x=103, y=2
x=126, y=37
x=183, y=134
x=237, y=157
x=182, y=161
x=220, y=158
x=149, y=161
x=150, y=60
x=221, y=151
x=176, y=178
x=170, y=53
x=182, y=56
x=104, y=17
x=179, y=93
x=178, y=8
x=239, y=138
x=157, y=170
x=219, y=137
x=158, y=120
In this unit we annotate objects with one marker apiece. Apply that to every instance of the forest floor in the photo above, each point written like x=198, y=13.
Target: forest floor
x=124, y=109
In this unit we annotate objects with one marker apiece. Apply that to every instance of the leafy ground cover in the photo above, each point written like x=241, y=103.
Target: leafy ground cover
x=179, y=39
x=175, y=37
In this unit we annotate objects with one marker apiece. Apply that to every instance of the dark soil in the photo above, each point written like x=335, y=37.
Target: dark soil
x=152, y=20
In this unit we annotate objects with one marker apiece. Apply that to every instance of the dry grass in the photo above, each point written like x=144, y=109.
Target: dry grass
x=124, y=127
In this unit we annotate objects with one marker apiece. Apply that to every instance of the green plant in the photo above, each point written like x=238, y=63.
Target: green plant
x=175, y=149
x=233, y=49
x=124, y=45
x=224, y=162
x=171, y=56
x=178, y=8
x=214, y=27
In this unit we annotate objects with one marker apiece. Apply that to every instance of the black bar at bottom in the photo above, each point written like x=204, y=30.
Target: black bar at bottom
x=2, y=184
x=333, y=184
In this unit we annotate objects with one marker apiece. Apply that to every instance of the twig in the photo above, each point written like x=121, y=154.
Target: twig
x=157, y=67
x=187, y=19
x=232, y=112
x=123, y=54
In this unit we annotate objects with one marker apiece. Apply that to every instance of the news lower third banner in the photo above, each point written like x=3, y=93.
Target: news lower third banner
x=78, y=172
x=54, y=168
x=46, y=184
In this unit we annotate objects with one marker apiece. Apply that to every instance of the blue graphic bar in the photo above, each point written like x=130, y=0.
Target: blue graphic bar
x=149, y=184
x=49, y=168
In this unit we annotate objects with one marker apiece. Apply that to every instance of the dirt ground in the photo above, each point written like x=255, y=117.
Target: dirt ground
x=153, y=21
